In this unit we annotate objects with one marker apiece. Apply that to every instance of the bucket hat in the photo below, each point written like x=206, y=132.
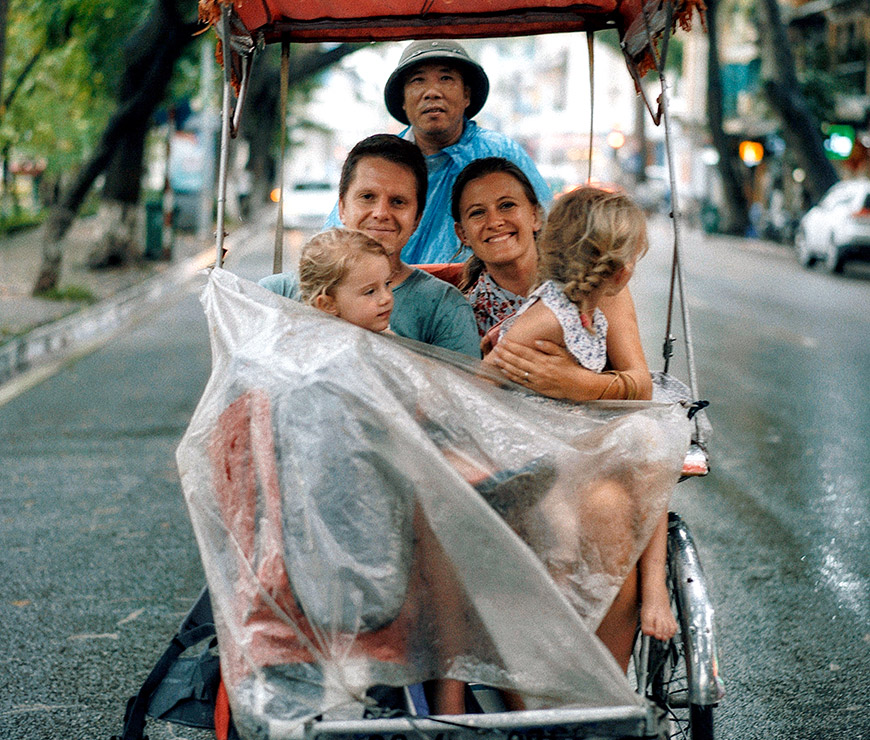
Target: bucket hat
x=429, y=50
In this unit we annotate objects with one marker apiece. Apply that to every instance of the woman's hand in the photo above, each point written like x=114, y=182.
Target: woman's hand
x=548, y=369
x=490, y=339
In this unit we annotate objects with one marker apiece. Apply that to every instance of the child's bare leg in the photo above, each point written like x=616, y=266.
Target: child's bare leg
x=448, y=696
x=606, y=511
x=619, y=625
x=471, y=471
x=656, y=618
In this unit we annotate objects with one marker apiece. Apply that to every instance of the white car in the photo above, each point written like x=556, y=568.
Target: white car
x=838, y=228
x=307, y=204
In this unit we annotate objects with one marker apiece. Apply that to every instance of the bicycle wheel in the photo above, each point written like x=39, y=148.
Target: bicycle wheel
x=668, y=686
x=661, y=669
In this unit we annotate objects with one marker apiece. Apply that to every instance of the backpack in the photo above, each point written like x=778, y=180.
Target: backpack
x=184, y=689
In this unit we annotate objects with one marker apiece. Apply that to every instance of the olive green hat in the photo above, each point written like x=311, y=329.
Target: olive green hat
x=429, y=50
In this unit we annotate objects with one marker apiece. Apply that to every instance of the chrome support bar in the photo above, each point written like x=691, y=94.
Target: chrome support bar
x=696, y=611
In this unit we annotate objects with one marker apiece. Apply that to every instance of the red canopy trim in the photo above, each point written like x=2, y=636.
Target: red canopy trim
x=393, y=20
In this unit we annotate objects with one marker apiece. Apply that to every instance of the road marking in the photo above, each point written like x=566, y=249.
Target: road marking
x=22, y=708
x=94, y=636
x=28, y=380
x=131, y=616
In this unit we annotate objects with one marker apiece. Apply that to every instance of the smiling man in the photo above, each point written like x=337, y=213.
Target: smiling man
x=436, y=89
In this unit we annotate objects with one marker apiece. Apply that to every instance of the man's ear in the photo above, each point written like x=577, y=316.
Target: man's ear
x=326, y=302
x=467, y=96
x=340, y=210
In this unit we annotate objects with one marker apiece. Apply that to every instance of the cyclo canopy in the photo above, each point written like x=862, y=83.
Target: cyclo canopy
x=640, y=23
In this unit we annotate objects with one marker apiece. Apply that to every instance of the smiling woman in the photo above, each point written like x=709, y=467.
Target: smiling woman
x=496, y=214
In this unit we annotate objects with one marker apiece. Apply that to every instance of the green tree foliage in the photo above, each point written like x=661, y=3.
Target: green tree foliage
x=63, y=61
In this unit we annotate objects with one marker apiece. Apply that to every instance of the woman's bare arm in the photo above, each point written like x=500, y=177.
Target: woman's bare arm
x=552, y=370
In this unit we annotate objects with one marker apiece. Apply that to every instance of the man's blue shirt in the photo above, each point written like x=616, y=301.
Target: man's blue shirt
x=434, y=240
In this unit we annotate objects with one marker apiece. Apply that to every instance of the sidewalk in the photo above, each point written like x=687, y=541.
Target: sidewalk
x=20, y=259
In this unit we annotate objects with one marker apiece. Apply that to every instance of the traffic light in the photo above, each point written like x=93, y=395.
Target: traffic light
x=839, y=142
x=751, y=152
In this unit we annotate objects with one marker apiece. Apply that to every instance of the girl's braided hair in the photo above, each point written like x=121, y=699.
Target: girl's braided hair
x=591, y=233
x=328, y=256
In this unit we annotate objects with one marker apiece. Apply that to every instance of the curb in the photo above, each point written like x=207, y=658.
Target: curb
x=83, y=330
x=63, y=337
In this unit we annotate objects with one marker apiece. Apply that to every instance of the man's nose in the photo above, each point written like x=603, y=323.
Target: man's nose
x=433, y=89
x=380, y=208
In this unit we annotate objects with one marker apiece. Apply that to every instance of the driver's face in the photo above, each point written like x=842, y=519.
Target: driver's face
x=382, y=202
x=436, y=97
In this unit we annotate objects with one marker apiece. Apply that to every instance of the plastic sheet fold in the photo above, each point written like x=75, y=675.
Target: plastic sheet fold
x=371, y=511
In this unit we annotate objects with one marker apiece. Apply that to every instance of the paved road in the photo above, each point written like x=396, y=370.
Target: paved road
x=98, y=562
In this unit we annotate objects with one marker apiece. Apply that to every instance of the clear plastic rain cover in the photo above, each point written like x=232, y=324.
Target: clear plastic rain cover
x=371, y=511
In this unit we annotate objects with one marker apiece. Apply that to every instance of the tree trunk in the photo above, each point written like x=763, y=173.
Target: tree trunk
x=800, y=128
x=735, y=208
x=4, y=14
x=152, y=50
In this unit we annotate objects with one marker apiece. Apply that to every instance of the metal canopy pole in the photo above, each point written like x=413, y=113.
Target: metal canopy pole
x=676, y=215
x=590, y=50
x=278, y=254
x=225, y=137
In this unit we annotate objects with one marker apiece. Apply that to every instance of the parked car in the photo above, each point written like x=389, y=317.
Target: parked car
x=307, y=204
x=838, y=228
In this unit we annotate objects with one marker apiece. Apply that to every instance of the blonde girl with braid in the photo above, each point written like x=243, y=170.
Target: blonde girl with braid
x=587, y=251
